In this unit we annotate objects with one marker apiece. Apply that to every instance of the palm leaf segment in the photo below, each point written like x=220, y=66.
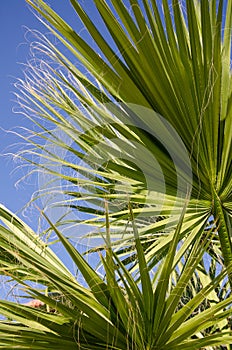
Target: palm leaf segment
x=174, y=64
x=106, y=315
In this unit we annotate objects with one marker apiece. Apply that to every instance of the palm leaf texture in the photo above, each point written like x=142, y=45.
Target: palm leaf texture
x=144, y=119
x=130, y=126
x=106, y=314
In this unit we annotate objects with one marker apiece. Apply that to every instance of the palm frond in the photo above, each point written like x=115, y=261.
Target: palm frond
x=107, y=314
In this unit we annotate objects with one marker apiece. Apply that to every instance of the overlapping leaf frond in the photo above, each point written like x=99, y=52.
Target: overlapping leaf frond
x=108, y=314
x=146, y=119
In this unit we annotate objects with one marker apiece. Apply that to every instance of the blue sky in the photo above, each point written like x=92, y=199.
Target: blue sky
x=15, y=17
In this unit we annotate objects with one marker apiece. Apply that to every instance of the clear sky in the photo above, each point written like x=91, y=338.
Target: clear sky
x=15, y=17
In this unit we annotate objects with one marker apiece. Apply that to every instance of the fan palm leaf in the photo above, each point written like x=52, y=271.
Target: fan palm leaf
x=106, y=314
x=152, y=119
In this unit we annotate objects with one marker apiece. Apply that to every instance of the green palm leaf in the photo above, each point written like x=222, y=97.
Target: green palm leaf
x=176, y=64
x=107, y=314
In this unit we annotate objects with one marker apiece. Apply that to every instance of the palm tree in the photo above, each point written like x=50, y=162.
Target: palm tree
x=148, y=124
